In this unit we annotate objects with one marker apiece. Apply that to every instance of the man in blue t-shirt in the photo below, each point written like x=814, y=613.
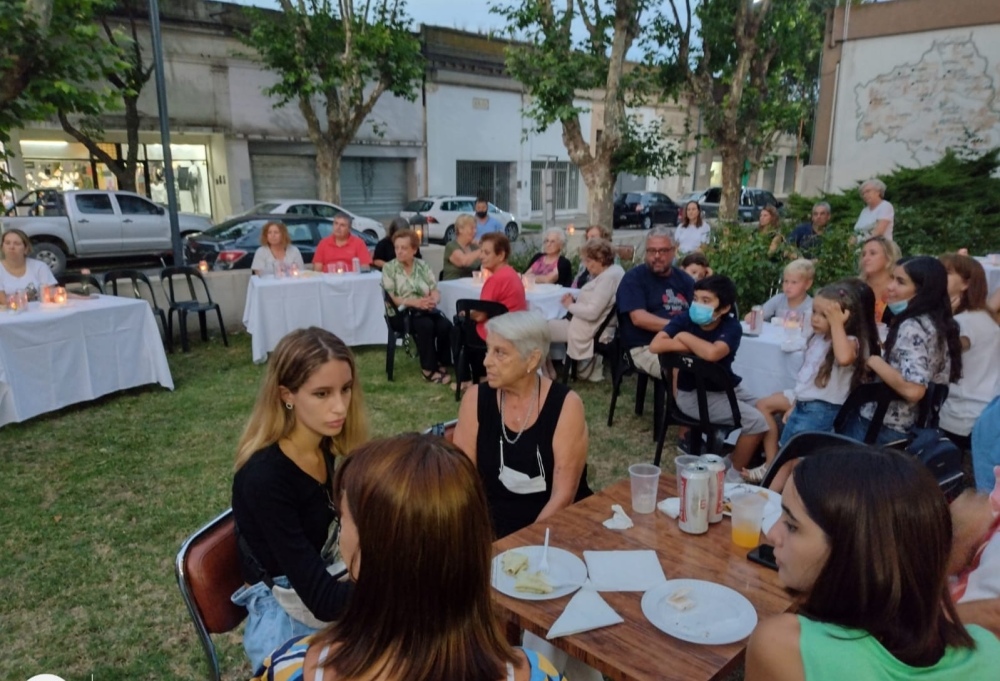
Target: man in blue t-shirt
x=808, y=236
x=651, y=294
x=485, y=223
x=709, y=330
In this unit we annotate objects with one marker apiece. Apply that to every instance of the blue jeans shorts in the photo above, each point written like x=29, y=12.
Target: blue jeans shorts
x=810, y=415
x=268, y=625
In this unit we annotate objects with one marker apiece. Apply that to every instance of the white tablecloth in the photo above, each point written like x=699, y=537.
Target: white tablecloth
x=544, y=298
x=50, y=359
x=349, y=305
x=763, y=365
x=992, y=274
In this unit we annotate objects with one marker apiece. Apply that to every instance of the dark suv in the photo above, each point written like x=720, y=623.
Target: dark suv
x=752, y=200
x=644, y=209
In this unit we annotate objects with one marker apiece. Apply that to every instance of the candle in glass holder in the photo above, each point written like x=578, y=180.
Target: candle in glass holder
x=570, y=230
x=294, y=269
x=203, y=266
x=47, y=295
x=59, y=296
x=420, y=234
x=340, y=267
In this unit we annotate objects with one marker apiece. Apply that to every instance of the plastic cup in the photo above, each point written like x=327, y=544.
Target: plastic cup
x=682, y=462
x=748, y=514
x=645, y=479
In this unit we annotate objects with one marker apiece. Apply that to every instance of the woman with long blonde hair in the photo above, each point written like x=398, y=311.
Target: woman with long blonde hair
x=309, y=410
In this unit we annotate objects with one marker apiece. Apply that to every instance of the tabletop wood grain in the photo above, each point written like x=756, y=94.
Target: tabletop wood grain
x=637, y=650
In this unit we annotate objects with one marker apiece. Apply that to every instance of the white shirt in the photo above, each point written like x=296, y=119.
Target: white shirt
x=264, y=260
x=690, y=238
x=870, y=216
x=980, y=381
x=35, y=272
x=839, y=384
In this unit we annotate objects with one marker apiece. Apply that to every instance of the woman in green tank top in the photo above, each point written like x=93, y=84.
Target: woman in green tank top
x=864, y=537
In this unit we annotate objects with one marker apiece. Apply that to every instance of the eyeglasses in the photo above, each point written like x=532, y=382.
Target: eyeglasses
x=660, y=251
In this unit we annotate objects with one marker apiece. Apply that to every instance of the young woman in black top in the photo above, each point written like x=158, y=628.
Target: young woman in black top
x=309, y=410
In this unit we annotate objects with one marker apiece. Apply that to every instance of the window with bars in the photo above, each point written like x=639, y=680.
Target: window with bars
x=565, y=185
x=489, y=179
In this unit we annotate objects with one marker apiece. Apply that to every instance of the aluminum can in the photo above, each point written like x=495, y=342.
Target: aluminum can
x=756, y=320
x=716, y=467
x=693, y=518
x=356, y=265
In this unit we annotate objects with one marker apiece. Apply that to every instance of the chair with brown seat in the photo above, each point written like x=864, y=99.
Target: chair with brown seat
x=208, y=573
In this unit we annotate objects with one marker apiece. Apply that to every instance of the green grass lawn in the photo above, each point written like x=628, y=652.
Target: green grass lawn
x=98, y=498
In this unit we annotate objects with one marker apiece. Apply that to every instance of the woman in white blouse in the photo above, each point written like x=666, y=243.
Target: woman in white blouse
x=693, y=230
x=276, y=248
x=877, y=216
x=18, y=271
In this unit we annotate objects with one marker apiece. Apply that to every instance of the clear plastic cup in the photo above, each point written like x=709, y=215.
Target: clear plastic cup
x=645, y=478
x=748, y=514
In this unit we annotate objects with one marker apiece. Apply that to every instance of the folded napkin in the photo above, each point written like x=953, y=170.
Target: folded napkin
x=624, y=570
x=618, y=521
x=671, y=506
x=585, y=611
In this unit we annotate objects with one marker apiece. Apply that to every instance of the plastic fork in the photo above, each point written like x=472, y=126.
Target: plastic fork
x=543, y=565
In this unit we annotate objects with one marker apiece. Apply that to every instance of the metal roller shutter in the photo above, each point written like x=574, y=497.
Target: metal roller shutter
x=283, y=177
x=373, y=187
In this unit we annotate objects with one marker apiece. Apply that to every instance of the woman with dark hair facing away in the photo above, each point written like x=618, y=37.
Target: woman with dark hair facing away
x=864, y=537
x=309, y=409
x=385, y=251
x=416, y=540
x=980, y=338
x=922, y=347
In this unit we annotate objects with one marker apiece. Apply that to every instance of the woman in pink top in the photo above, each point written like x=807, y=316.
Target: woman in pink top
x=503, y=284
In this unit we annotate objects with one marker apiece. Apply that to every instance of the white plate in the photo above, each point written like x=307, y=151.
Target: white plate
x=772, y=510
x=720, y=615
x=564, y=568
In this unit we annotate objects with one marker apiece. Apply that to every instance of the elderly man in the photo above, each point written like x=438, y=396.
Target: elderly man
x=485, y=223
x=808, y=236
x=341, y=246
x=649, y=296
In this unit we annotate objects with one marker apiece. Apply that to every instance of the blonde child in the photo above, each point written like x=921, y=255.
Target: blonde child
x=795, y=285
x=834, y=364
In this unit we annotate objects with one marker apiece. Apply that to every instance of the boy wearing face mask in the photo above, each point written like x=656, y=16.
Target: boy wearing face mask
x=710, y=330
x=485, y=223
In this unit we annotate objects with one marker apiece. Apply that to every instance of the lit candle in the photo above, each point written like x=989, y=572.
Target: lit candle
x=571, y=230
x=295, y=269
x=59, y=297
x=420, y=234
x=47, y=295
x=203, y=266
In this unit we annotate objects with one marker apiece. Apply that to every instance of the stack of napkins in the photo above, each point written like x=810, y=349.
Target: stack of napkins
x=624, y=570
x=671, y=506
x=585, y=611
x=620, y=519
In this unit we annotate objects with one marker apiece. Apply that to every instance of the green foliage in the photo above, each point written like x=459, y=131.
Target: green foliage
x=951, y=204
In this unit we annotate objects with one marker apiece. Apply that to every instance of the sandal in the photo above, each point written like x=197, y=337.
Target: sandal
x=755, y=475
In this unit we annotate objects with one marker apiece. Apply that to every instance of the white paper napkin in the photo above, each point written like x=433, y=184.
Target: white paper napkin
x=585, y=611
x=624, y=570
x=671, y=506
x=619, y=520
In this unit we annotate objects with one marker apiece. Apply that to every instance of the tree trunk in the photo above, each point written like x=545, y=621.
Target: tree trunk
x=732, y=169
x=126, y=178
x=600, y=183
x=328, y=159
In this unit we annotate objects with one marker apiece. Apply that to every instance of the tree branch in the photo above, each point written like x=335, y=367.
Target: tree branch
x=102, y=156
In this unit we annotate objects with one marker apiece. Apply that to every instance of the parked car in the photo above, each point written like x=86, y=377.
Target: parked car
x=442, y=211
x=644, y=209
x=85, y=224
x=232, y=244
x=752, y=200
x=320, y=209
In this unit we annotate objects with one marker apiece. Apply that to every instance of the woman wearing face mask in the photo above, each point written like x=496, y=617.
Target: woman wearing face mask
x=864, y=537
x=922, y=347
x=526, y=433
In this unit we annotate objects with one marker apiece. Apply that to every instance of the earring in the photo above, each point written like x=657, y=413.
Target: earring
x=288, y=406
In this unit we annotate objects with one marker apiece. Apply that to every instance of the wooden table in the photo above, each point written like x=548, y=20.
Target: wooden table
x=636, y=649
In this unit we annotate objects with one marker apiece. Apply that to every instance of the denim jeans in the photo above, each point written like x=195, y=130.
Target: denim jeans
x=268, y=625
x=857, y=428
x=986, y=446
x=814, y=415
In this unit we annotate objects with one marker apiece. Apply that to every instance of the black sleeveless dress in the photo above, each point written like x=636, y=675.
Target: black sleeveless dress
x=510, y=512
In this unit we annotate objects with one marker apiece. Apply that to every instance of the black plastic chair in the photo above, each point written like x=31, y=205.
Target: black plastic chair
x=470, y=349
x=708, y=377
x=136, y=277
x=393, y=334
x=802, y=445
x=183, y=307
x=881, y=394
x=620, y=361
x=77, y=283
x=600, y=349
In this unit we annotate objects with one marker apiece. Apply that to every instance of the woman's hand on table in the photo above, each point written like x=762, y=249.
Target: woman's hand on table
x=567, y=300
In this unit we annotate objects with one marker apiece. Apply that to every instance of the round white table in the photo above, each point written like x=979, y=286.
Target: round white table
x=763, y=365
x=543, y=298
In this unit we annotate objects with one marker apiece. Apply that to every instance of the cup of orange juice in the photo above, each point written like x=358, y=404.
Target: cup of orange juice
x=748, y=514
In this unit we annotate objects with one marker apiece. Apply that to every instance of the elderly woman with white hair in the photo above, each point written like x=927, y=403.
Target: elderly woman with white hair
x=878, y=215
x=550, y=266
x=526, y=434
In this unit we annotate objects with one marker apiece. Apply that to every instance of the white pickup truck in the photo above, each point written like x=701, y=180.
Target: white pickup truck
x=96, y=224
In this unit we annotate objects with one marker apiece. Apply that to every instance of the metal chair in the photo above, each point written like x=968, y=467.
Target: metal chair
x=467, y=340
x=445, y=429
x=193, y=304
x=78, y=283
x=208, y=573
x=111, y=280
x=394, y=335
x=708, y=377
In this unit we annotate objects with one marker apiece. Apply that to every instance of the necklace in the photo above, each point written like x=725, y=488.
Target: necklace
x=524, y=420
